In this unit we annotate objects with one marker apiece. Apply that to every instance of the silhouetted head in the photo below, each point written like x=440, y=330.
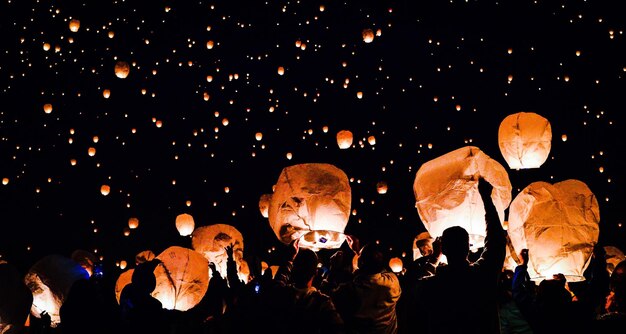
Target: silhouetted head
x=618, y=278
x=455, y=243
x=304, y=267
x=371, y=260
x=143, y=276
x=552, y=292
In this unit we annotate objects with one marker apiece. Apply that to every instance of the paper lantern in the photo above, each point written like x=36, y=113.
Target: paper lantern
x=344, y=139
x=85, y=259
x=281, y=70
x=16, y=299
x=395, y=263
x=212, y=240
x=264, y=204
x=182, y=278
x=49, y=280
x=144, y=256
x=525, y=139
x=368, y=35
x=47, y=108
x=558, y=224
x=5, y=181
x=311, y=203
x=381, y=187
x=446, y=192
x=184, y=224
x=613, y=256
x=106, y=93
x=122, y=280
x=105, y=189
x=74, y=25
x=122, y=69
x=133, y=223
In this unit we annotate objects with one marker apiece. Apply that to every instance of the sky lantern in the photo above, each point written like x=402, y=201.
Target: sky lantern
x=446, y=192
x=558, y=224
x=381, y=187
x=91, y=151
x=49, y=280
x=47, y=108
x=344, y=139
x=211, y=241
x=122, y=69
x=258, y=136
x=144, y=256
x=105, y=189
x=311, y=202
x=106, y=93
x=525, y=139
x=184, y=224
x=368, y=35
x=85, y=259
x=74, y=25
x=371, y=140
x=133, y=223
x=281, y=70
x=5, y=181
x=182, y=278
x=264, y=204
x=122, y=280
x=16, y=299
x=613, y=256
x=395, y=264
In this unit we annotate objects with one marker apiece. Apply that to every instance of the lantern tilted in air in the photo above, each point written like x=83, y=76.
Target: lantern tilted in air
x=446, y=192
x=525, y=139
x=311, y=202
x=185, y=224
x=558, y=224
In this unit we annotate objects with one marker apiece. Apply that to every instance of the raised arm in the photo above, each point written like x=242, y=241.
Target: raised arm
x=494, y=250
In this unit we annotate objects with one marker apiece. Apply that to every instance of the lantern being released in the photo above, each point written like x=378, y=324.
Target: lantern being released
x=212, y=240
x=558, y=224
x=311, y=202
x=446, y=192
x=525, y=139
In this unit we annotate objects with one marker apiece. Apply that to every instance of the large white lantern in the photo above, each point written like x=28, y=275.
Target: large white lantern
x=446, y=192
x=122, y=280
x=311, y=202
x=185, y=224
x=211, y=241
x=525, y=139
x=558, y=224
x=182, y=278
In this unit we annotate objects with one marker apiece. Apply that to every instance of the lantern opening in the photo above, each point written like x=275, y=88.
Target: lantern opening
x=319, y=239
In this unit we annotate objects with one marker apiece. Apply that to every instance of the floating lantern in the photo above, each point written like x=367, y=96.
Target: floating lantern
x=184, y=224
x=446, y=192
x=74, y=25
x=144, y=256
x=281, y=70
x=311, y=202
x=381, y=187
x=558, y=224
x=122, y=69
x=525, y=139
x=133, y=223
x=5, y=181
x=613, y=256
x=211, y=241
x=264, y=204
x=106, y=93
x=105, y=189
x=47, y=108
x=395, y=264
x=344, y=139
x=122, y=280
x=368, y=35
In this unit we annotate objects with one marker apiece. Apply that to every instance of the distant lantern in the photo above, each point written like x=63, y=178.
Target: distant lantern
x=395, y=264
x=133, y=223
x=281, y=70
x=106, y=93
x=381, y=187
x=446, y=192
x=122, y=69
x=210, y=44
x=371, y=140
x=359, y=95
x=46, y=46
x=311, y=203
x=5, y=181
x=105, y=189
x=264, y=204
x=74, y=25
x=258, y=136
x=344, y=139
x=558, y=224
x=368, y=35
x=91, y=151
x=211, y=241
x=126, y=231
x=182, y=278
x=525, y=139
x=47, y=108
x=185, y=224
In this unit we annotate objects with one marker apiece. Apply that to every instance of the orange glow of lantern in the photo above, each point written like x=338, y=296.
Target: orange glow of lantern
x=344, y=139
x=91, y=151
x=311, y=203
x=74, y=25
x=264, y=204
x=47, y=108
x=185, y=224
x=381, y=187
x=122, y=69
x=613, y=256
x=211, y=240
x=281, y=70
x=133, y=223
x=368, y=35
x=446, y=192
x=558, y=224
x=105, y=189
x=122, y=280
x=395, y=264
x=5, y=181
x=525, y=139
x=106, y=93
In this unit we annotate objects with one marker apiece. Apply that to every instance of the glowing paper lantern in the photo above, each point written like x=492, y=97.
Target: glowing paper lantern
x=381, y=187
x=74, y=25
x=558, y=224
x=106, y=93
x=613, y=256
x=105, y=189
x=49, y=280
x=47, y=108
x=184, y=224
x=344, y=139
x=182, y=278
x=122, y=280
x=264, y=204
x=212, y=240
x=446, y=192
x=525, y=139
x=144, y=256
x=85, y=259
x=368, y=35
x=122, y=69
x=16, y=300
x=133, y=223
x=395, y=264
x=311, y=203
x=5, y=181
x=281, y=70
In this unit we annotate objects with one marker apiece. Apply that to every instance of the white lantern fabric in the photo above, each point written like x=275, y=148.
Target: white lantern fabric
x=525, y=140
x=264, y=204
x=49, y=280
x=613, y=256
x=15, y=299
x=211, y=241
x=446, y=192
x=311, y=202
x=144, y=256
x=344, y=139
x=558, y=224
x=185, y=224
x=182, y=278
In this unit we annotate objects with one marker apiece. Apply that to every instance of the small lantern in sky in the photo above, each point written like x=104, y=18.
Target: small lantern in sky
x=525, y=139
x=446, y=192
x=558, y=224
x=395, y=264
x=185, y=224
x=264, y=204
x=122, y=69
x=344, y=139
x=105, y=189
x=381, y=187
x=311, y=202
x=47, y=108
x=368, y=35
x=74, y=25
x=133, y=223
x=211, y=241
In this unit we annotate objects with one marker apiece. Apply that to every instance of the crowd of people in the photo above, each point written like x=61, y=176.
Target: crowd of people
x=465, y=294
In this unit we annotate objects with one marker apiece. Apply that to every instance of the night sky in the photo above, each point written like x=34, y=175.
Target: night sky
x=178, y=134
